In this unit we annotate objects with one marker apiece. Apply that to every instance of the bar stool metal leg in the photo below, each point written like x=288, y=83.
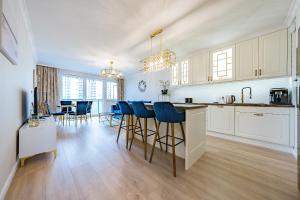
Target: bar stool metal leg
x=154, y=142
x=167, y=137
x=146, y=137
x=173, y=150
x=140, y=124
x=158, y=134
x=182, y=131
x=127, y=130
x=120, y=127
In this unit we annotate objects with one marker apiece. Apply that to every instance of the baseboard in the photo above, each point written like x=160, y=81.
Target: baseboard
x=268, y=145
x=295, y=153
x=9, y=180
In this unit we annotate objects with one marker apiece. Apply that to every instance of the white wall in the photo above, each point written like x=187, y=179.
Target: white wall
x=15, y=92
x=200, y=93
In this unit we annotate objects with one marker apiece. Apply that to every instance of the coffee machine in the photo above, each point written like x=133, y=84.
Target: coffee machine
x=279, y=96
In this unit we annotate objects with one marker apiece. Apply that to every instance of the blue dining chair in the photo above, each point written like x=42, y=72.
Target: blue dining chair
x=81, y=111
x=126, y=111
x=89, y=108
x=140, y=111
x=166, y=112
x=61, y=115
x=66, y=103
x=115, y=109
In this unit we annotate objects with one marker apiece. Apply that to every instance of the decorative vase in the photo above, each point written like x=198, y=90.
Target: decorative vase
x=164, y=92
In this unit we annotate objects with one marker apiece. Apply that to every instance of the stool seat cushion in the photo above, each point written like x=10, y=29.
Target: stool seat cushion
x=166, y=112
x=125, y=108
x=141, y=111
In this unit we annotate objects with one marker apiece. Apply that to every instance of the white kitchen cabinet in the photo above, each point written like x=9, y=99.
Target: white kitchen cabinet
x=199, y=68
x=273, y=50
x=262, y=57
x=247, y=59
x=264, y=124
x=221, y=119
x=181, y=73
x=222, y=64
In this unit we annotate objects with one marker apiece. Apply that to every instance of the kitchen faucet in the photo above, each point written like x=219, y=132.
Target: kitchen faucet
x=250, y=93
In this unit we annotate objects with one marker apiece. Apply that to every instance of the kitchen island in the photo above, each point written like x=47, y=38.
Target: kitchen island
x=195, y=133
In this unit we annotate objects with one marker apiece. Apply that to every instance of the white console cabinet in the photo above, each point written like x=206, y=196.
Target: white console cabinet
x=36, y=140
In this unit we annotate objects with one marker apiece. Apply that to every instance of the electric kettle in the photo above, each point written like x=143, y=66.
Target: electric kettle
x=229, y=99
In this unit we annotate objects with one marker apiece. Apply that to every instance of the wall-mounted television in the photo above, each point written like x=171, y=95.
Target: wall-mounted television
x=35, y=102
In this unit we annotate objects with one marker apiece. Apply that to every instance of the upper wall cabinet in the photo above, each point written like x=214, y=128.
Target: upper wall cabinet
x=185, y=72
x=199, y=68
x=181, y=73
x=222, y=65
x=273, y=54
x=247, y=59
x=261, y=57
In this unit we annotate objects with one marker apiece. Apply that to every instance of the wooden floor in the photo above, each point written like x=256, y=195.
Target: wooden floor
x=90, y=165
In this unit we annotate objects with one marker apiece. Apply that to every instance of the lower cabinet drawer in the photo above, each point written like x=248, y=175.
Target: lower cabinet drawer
x=263, y=126
x=221, y=119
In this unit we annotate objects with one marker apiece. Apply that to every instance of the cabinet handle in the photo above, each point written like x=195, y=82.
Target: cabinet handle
x=259, y=114
x=255, y=72
x=259, y=72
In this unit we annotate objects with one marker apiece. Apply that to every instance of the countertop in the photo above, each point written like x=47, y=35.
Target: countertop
x=238, y=104
x=185, y=106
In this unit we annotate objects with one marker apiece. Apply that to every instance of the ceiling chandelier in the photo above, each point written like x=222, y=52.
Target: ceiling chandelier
x=161, y=60
x=111, y=72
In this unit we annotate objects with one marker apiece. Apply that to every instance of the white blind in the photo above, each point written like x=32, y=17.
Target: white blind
x=72, y=87
x=94, y=89
x=111, y=90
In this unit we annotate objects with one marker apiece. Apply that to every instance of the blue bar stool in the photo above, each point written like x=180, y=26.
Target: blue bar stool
x=140, y=111
x=126, y=110
x=166, y=112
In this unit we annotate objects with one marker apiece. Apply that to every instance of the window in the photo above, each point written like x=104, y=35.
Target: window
x=222, y=64
x=94, y=89
x=111, y=90
x=185, y=72
x=72, y=87
x=175, y=77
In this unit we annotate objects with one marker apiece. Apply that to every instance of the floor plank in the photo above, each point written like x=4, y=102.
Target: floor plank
x=90, y=165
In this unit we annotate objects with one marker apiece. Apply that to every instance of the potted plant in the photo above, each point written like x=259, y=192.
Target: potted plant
x=164, y=85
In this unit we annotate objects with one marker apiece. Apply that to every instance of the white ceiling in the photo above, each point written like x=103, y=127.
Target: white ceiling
x=83, y=35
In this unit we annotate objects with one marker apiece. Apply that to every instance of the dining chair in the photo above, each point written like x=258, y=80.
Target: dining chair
x=61, y=115
x=64, y=106
x=89, y=108
x=81, y=111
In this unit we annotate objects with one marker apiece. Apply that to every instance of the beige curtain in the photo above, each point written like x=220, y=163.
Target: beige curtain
x=120, y=89
x=47, y=83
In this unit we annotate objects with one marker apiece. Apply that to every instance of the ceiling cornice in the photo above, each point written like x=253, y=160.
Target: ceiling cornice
x=25, y=16
x=294, y=8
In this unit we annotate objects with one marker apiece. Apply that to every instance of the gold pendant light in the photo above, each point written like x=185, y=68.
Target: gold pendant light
x=161, y=60
x=111, y=72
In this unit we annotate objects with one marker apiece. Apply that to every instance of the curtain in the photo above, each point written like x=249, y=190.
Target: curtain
x=120, y=89
x=47, y=84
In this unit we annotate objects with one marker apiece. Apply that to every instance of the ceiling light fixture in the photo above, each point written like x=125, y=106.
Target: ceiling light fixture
x=161, y=60
x=111, y=72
